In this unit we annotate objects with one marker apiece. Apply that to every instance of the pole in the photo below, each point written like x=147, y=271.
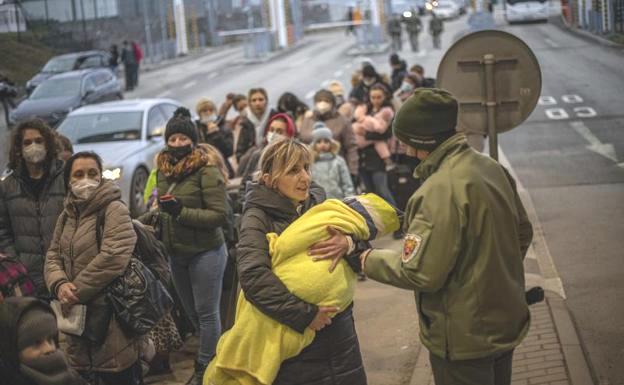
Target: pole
x=84, y=23
x=490, y=94
x=163, y=28
x=148, y=33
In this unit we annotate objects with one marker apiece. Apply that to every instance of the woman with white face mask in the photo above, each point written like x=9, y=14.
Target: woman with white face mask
x=80, y=265
x=212, y=130
x=31, y=198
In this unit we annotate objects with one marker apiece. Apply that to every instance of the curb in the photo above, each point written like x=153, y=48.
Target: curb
x=573, y=352
x=563, y=25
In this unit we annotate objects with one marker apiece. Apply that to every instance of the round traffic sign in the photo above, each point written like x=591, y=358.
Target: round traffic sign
x=514, y=79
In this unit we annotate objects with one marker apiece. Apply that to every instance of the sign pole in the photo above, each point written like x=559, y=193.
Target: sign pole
x=490, y=94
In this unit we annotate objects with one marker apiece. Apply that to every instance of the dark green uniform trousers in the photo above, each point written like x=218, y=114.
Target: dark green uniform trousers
x=493, y=370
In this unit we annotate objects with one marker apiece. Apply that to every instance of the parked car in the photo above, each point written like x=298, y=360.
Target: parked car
x=69, y=62
x=445, y=9
x=127, y=135
x=405, y=8
x=60, y=94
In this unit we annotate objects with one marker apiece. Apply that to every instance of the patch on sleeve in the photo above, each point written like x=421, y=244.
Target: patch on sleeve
x=411, y=245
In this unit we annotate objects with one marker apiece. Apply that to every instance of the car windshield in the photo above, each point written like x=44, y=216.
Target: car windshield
x=59, y=64
x=516, y=2
x=57, y=88
x=102, y=127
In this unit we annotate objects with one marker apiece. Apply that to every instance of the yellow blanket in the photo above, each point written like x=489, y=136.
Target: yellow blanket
x=252, y=351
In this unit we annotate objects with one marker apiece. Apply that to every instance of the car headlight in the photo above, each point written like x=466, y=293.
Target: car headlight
x=407, y=14
x=112, y=173
x=429, y=6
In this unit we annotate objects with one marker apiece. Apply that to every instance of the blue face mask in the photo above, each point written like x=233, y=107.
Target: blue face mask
x=406, y=87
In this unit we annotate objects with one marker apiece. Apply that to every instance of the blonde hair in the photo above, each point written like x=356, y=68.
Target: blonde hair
x=203, y=104
x=215, y=159
x=282, y=156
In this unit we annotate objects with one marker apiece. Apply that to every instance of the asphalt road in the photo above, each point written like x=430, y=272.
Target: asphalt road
x=568, y=155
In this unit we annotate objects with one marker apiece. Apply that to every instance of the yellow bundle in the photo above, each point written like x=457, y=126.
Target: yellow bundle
x=252, y=351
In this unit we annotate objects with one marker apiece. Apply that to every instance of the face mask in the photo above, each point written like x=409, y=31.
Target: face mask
x=369, y=81
x=84, y=188
x=34, y=153
x=273, y=136
x=205, y=119
x=323, y=107
x=406, y=87
x=179, y=152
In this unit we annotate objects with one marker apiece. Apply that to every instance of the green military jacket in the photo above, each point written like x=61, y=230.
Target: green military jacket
x=198, y=228
x=466, y=234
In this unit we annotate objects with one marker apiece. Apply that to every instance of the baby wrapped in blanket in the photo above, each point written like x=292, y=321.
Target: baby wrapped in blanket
x=252, y=351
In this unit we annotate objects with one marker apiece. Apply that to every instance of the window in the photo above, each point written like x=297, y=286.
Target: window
x=168, y=109
x=94, y=61
x=89, y=84
x=155, y=123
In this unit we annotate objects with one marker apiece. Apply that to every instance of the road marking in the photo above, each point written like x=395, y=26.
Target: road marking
x=551, y=43
x=163, y=94
x=585, y=112
x=547, y=101
x=605, y=149
x=422, y=53
x=213, y=75
x=556, y=114
x=338, y=73
x=539, y=247
x=310, y=94
x=324, y=84
x=572, y=99
x=190, y=84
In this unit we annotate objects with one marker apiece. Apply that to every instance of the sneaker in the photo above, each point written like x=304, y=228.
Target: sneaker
x=361, y=276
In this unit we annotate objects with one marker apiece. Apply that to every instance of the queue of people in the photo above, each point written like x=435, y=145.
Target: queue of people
x=66, y=237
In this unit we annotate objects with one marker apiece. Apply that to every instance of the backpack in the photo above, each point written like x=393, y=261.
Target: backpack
x=14, y=279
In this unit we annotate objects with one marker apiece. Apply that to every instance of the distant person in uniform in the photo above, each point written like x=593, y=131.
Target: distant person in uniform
x=466, y=236
x=436, y=27
x=128, y=59
x=413, y=25
x=395, y=30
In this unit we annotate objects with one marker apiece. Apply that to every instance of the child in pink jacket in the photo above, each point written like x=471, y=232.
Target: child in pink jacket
x=375, y=117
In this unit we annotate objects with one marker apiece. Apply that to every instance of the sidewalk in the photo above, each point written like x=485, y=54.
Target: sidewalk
x=551, y=353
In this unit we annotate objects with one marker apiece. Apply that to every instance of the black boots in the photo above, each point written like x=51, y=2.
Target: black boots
x=198, y=374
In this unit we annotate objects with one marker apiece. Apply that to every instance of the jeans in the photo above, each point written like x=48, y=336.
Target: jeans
x=377, y=182
x=199, y=283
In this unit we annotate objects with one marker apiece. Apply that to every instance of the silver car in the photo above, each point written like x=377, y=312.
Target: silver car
x=127, y=135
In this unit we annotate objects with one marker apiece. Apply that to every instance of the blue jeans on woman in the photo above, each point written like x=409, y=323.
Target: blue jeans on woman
x=377, y=182
x=199, y=284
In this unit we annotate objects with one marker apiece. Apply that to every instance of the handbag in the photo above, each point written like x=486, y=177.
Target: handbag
x=14, y=278
x=139, y=299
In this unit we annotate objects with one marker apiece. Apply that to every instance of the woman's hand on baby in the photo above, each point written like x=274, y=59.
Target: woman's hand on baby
x=336, y=247
x=322, y=317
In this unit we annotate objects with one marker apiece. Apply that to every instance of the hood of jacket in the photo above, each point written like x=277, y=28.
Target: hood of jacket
x=275, y=204
x=105, y=193
x=11, y=311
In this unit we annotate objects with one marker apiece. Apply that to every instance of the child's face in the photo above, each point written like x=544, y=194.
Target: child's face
x=39, y=349
x=323, y=145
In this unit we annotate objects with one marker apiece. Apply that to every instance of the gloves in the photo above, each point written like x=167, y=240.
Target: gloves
x=171, y=206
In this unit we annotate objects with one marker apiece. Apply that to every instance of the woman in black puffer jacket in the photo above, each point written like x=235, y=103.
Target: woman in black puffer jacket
x=283, y=193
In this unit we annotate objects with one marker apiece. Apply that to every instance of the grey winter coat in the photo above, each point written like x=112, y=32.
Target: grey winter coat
x=27, y=222
x=330, y=171
x=74, y=257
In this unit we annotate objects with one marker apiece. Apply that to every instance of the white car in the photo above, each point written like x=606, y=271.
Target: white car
x=524, y=11
x=446, y=9
x=127, y=135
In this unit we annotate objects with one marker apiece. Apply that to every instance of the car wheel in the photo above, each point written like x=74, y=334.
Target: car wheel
x=139, y=180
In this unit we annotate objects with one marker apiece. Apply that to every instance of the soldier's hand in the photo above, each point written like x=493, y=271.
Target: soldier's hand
x=336, y=247
x=322, y=317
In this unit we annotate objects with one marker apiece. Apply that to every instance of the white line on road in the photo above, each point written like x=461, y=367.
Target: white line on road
x=190, y=84
x=551, y=43
x=325, y=83
x=310, y=94
x=605, y=149
x=338, y=73
x=422, y=53
x=163, y=94
x=213, y=75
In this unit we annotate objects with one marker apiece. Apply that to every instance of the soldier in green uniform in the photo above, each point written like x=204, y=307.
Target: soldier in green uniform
x=413, y=25
x=466, y=235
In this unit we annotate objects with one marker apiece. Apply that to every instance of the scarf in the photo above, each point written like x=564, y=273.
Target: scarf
x=259, y=124
x=51, y=369
x=177, y=170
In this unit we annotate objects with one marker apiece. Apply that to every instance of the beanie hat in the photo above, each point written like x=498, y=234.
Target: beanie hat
x=394, y=59
x=321, y=131
x=426, y=119
x=181, y=125
x=369, y=71
x=34, y=325
x=204, y=103
x=325, y=94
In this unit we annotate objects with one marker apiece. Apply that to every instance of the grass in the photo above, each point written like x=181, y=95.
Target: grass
x=21, y=60
x=616, y=38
